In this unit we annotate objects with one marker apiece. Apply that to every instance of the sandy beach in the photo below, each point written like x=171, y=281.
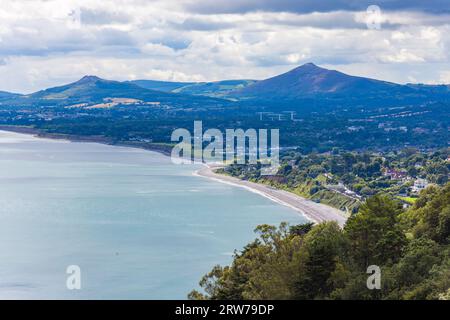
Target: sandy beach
x=313, y=211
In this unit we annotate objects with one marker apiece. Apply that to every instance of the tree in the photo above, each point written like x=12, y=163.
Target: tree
x=431, y=214
x=374, y=232
x=414, y=267
x=301, y=229
x=324, y=262
x=317, y=260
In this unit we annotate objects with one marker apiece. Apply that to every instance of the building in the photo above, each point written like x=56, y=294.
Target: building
x=395, y=174
x=419, y=185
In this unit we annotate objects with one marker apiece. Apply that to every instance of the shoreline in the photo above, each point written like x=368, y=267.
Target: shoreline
x=312, y=211
x=89, y=139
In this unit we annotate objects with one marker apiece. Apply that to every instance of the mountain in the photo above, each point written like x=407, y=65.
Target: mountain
x=215, y=89
x=310, y=80
x=437, y=89
x=218, y=89
x=305, y=86
x=8, y=95
x=93, y=90
x=165, y=86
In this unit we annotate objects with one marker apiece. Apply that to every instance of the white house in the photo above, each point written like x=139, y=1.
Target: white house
x=419, y=185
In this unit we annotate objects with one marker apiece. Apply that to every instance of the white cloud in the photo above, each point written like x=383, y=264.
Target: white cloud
x=157, y=49
x=444, y=77
x=402, y=56
x=127, y=39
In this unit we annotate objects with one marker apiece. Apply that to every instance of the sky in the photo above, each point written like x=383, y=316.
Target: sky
x=44, y=43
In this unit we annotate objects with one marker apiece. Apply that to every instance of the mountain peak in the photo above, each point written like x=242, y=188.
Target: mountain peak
x=309, y=64
x=89, y=78
x=310, y=79
x=309, y=67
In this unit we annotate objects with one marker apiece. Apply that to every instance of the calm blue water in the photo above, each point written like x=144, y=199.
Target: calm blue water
x=138, y=226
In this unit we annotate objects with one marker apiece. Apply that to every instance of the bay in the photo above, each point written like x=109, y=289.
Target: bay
x=138, y=226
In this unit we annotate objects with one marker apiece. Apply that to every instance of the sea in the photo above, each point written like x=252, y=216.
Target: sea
x=92, y=221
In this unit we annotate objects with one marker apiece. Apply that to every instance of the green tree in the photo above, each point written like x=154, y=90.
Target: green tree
x=323, y=246
x=374, y=232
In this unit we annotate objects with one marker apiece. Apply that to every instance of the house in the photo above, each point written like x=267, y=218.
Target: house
x=292, y=163
x=419, y=185
x=395, y=174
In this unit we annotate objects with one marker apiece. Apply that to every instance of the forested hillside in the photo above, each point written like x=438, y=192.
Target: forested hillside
x=411, y=247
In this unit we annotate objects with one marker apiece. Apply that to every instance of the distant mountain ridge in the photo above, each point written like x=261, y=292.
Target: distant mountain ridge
x=303, y=82
x=218, y=89
x=308, y=81
x=165, y=86
x=92, y=89
x=8, y=95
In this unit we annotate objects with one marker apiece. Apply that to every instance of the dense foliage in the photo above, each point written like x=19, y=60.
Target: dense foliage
x=412, y=248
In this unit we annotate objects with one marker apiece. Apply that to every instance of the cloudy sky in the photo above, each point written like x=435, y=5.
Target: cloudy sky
x=50, y=42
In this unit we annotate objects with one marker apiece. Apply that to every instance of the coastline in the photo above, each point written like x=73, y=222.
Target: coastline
x=314, y=212
x=92, y=139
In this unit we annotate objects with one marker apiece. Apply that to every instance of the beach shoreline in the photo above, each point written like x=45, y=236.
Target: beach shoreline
x=314, y=212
